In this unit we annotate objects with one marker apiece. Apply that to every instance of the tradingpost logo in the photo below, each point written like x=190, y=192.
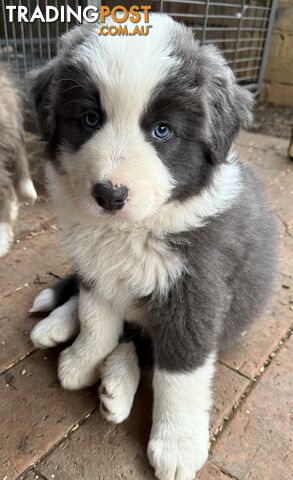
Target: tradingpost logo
x=137, y=17
x=120, y=15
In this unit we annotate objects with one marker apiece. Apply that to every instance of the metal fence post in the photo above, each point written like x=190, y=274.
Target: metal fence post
x=267, y=44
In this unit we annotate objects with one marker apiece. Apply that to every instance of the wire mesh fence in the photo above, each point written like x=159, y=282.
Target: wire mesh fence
x=240, y=28
x=27, y=45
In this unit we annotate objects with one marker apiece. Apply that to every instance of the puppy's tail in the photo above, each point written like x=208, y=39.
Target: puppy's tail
x=57, y=295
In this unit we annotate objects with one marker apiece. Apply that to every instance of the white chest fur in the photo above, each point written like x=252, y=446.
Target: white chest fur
x=125, y=264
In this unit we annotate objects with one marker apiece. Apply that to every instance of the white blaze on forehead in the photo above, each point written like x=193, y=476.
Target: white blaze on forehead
x=125, y=71
x=128, y=68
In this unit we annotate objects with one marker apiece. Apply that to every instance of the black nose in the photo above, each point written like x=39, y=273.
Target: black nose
x=109, y=197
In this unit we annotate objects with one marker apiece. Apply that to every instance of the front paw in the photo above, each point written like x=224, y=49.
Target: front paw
x=176, y=457
x=59, y=327
x=119, y=381
x=75, y=372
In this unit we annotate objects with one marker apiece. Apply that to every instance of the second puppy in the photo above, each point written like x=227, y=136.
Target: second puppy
x=15, y=180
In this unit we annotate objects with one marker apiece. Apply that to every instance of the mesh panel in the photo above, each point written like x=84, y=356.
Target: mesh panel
x=240, y=28
x=27, y=45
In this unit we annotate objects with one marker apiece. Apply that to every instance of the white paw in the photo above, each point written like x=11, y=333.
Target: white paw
x=177, y=458
x=44, y=301
x=6, y=238
x=27, y=190
x=119, y=381
x=59, y=327
x=75, y=370
x=178, y=445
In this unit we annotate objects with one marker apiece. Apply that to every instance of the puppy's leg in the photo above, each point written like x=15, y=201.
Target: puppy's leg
x=57, y=295
x=6, y=238
x=100, y=328
x=26, y=190
x=22, y=179
x=178, y=445
x=184, y=333
x=8, y=212
x=59, y=327
x=120, y=375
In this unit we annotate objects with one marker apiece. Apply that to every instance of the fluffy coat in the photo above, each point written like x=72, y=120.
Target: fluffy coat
x=189, y=254
x=15, y=181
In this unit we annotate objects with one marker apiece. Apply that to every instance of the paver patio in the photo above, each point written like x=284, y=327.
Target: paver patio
x=48, y=433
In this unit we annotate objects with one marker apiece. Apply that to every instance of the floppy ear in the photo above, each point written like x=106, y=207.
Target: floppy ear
x=228, y=105
x=41, y=86
x=42, y=81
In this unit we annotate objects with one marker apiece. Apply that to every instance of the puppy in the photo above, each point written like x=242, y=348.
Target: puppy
x=163, y=224
x=15, y=181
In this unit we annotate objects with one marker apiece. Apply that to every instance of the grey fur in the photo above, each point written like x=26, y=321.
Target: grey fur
x=14, y=169
x=206, y=108
x=231, y=264
x=13, y=160
x=59, y=93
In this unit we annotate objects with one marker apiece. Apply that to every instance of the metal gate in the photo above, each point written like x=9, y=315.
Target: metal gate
x=240, y=28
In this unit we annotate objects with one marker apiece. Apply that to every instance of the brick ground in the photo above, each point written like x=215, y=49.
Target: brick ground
x=258, y=441
x=49, y=433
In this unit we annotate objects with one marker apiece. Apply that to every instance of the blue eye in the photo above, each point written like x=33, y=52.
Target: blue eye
x=162, y=131
x=91, y=121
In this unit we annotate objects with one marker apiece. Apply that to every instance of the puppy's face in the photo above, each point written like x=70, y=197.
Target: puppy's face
x=135, y=123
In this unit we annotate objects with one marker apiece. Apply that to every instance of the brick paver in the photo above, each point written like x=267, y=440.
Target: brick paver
x=285, y=294
x=211, y=472
x=119, y=451
x=32, y=475
x=249, y=354
x=228, y=387
x=266, y=155
x=29, y=267
x=257, y=443
x=286, y=255
x=249, y=433
x=28, y=260
x=15, y=322
x=35, y=412
x=281, y=194
x=103, y=451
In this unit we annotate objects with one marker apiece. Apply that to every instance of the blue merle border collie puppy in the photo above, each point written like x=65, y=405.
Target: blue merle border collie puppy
x=165, y=228
x=15, y=180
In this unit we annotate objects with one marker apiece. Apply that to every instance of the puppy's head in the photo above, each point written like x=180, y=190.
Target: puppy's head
x=134, y=123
